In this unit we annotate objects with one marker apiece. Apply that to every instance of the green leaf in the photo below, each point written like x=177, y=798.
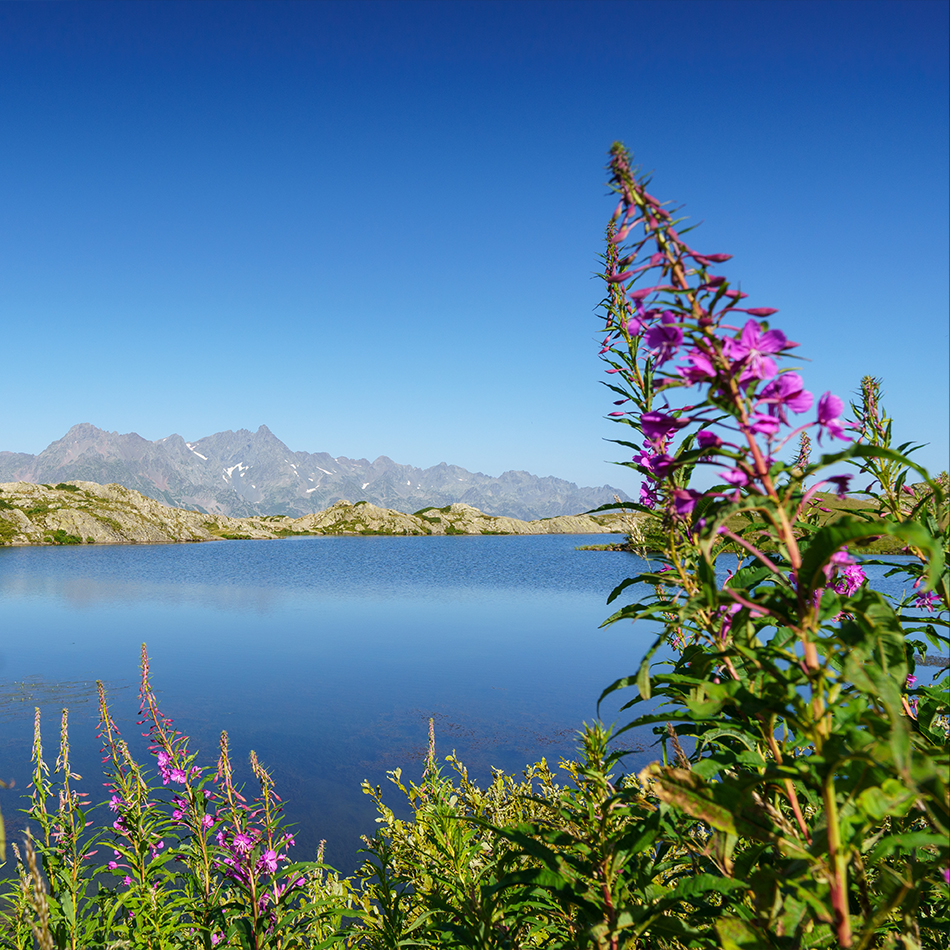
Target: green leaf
x=737, y=934
x=724, y=807
x=643, y=680
x=704, y=884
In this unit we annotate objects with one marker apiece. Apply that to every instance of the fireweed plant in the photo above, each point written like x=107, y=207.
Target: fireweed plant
x=802, y=796
x=814, y=798
x=184, y=859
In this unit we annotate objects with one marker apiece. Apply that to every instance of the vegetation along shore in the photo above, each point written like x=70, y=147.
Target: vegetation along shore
x=80, y=512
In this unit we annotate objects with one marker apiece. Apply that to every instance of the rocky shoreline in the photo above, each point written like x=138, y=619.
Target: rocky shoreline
x=80, y=512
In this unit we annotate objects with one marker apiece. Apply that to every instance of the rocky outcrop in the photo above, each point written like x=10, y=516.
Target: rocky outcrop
x=81, y=512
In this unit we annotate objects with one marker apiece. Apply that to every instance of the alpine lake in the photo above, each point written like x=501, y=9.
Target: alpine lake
x=326, y=655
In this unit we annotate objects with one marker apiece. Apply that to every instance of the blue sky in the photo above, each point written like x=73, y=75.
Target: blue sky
x=373, y=226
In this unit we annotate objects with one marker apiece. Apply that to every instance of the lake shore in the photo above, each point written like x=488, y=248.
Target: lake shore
x=79, y=512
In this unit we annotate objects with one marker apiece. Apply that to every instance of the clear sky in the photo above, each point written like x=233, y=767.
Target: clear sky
x=372, y=226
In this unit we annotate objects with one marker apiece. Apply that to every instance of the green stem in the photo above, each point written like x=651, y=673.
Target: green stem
x=839, y=865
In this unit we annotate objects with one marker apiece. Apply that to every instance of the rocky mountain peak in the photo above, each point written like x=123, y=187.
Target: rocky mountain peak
x=246, y=473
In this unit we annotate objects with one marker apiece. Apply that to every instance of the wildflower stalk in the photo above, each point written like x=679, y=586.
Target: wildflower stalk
x=701, y=391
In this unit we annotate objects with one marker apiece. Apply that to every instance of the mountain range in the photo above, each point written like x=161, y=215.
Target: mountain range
x=244, y=473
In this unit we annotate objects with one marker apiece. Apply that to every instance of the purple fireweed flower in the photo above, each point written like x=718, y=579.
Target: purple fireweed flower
x=727, y=614
x=700, y=367
x=632, y=326
x=763, y=424
x=115, y=803
x=163, y=759
x=786, y=392
x=684, y=501
x=946, y=875
x=656, y=426
x=206, y=821
x=112, y=865
x=658, y=465
x=840, y=558
x=735, y=476
x=911, y=681
x=268, y=861
x=750, y=352
x=241, y=843
x=665, y=340
x=927, y=601
x=829, y=422
x=841, y=483
x=126, y=880
x=662, y=465
x=647, y=496
x=851, y=578
x=708, y=439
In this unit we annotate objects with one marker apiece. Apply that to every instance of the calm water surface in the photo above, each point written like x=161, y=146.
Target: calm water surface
x=325, y=655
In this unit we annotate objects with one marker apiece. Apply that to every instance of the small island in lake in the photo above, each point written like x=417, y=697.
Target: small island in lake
x=79, y=512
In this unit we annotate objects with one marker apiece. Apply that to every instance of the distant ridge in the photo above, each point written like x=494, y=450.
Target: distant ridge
x=244, y=473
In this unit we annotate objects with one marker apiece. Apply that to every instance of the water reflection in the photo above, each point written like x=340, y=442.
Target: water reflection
x=326, y=656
